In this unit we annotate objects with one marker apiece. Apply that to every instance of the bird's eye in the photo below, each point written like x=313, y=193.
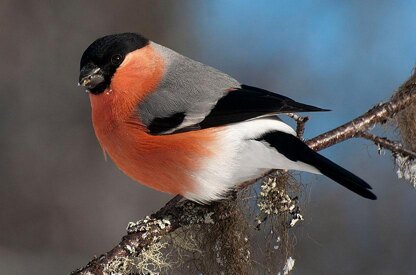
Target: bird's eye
x=116, y=59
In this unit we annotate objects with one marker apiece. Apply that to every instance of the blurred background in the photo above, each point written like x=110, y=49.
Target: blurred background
x=61, y=202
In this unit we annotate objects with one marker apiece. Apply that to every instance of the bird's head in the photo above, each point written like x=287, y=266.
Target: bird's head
x=101, y=59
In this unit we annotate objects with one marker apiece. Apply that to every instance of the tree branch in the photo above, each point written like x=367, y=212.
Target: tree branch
x=379, y=114
x=176, y=213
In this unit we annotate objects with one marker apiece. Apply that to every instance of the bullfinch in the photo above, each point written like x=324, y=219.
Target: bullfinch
x=182, y=127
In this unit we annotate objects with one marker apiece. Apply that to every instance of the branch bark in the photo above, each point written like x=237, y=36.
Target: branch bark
x=177, y=213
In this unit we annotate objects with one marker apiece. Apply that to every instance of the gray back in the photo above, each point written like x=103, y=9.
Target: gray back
x=188, y=87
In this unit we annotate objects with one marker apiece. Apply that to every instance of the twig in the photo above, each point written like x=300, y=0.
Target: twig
x=300, y=123
x=394, y=147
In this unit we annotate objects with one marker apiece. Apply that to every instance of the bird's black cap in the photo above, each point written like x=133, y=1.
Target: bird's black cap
x=101, y=59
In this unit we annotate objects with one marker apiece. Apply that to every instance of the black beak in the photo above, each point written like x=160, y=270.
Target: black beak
x=90, y=76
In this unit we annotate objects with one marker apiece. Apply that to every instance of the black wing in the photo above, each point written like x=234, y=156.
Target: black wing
x=237, y=105
x=250, y=102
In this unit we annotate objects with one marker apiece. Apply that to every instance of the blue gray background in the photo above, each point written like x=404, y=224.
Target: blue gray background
x=61, y=203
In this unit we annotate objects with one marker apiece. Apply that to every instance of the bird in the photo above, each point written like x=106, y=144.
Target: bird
x=182, y=127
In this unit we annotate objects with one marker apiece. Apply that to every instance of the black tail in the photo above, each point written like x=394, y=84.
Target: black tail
x=295, y=150
x=341, y=175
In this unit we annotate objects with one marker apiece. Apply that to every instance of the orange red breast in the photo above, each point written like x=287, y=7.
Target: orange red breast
x=166, y=163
